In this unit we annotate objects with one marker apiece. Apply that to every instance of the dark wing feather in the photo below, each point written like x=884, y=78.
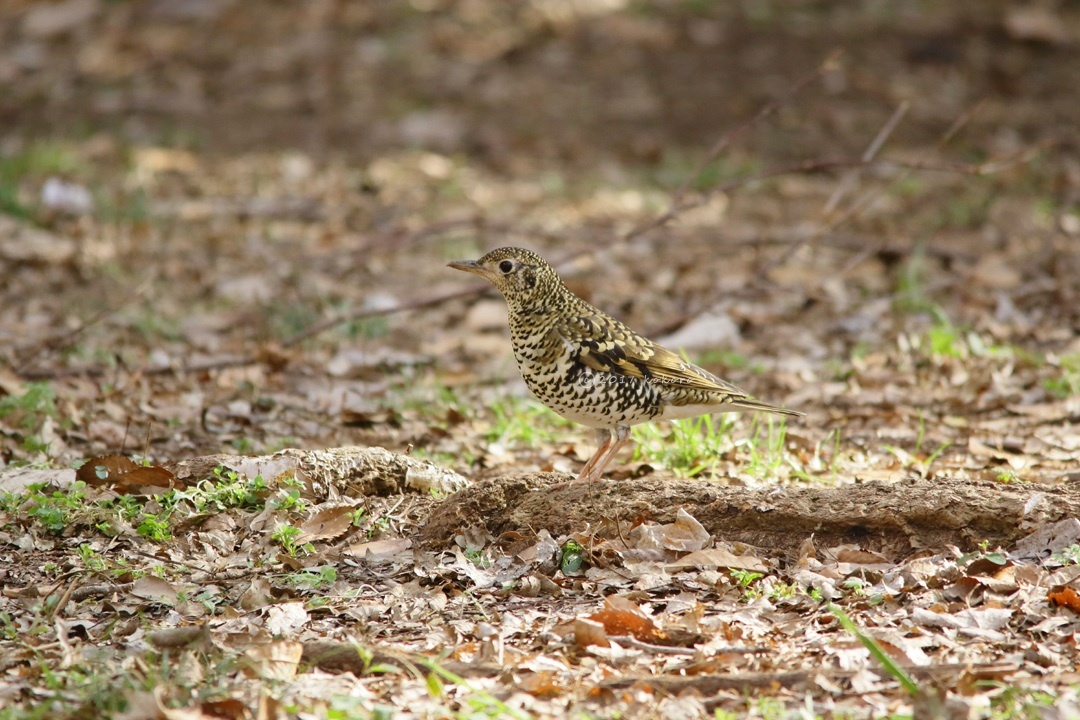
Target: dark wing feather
x=606, y=345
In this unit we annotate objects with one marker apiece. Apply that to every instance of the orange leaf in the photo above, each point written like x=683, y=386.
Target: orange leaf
x=1066, y=597
x=621, y=622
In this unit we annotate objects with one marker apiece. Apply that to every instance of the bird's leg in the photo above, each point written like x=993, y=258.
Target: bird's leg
x=608, y=451
x=603, y=439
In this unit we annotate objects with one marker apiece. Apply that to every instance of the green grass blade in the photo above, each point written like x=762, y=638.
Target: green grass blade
x=877, y=652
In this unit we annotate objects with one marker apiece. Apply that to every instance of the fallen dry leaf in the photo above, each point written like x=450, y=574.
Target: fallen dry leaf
x=684, y=535
x=326, y=524
x=720, y=558
x=274, y=661
x=124, y=475
x=379, y=550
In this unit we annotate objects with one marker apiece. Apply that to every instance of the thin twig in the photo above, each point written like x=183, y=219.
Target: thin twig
x=63, y=340
x=631, y=641
x=907, y=168
x=320, y=327
x=679, y=203
x=959, y=123
x=867, y=156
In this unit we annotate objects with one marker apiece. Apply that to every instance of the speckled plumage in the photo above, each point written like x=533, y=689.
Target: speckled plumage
x=589, y=367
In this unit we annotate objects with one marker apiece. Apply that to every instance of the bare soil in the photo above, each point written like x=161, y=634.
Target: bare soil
x=895, y=519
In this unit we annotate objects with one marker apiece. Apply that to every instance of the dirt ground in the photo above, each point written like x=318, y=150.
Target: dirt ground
x=224, y=230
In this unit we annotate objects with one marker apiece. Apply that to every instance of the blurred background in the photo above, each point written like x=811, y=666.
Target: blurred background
x=192, y=190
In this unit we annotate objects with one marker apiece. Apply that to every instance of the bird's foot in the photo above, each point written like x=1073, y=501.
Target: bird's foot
x=581, y=479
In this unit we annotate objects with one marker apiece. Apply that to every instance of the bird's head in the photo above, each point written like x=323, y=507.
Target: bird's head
x=524, y=278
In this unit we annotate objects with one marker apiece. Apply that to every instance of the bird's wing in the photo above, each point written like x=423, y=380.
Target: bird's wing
x=606, y=345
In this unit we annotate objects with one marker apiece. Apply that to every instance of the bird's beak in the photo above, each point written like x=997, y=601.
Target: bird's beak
x=468, y=266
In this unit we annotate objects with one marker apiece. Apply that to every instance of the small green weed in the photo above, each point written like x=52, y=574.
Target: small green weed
x=1018, y=703
x=917, y=460
x=288, y=498
x=686, y=447
x=287, y=318
x=379, y=526
x=286, y=535
x=481, y=703
x=312, y=578
x=226, y=490
x=62, y=510
x=857, y=586
x=782, y=590
x=946, y=341
x=1067, y=384
x=30, y=409
x=744, y=578
x=676, y=166
x=34, y=163
x=765, y=446
x=1067, y=556
x=55, y=511
x=770, y=708
x=116, y=567
x=433, y=399
x=572, y=558
x=728, y=359
x=825, y=469
x=370, y=328
x=911, y=284
x=1007, y=475
x=155, y=528
x=155, y=326
x=90, y=558
x=523, y=422
x=28, y=412
x=478, y=558
x=444, y=458
x=10, y=502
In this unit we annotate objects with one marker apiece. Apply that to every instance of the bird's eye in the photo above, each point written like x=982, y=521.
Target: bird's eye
x=506, y=266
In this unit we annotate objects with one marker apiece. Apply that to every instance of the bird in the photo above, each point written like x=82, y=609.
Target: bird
x=592, y=369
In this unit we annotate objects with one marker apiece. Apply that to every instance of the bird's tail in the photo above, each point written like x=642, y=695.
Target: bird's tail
x=748, y=404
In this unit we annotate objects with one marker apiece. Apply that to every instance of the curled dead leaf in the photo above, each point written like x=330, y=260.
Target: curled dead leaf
x=326, y=524
x=529, y=587
x=621, y=617
x=124, y=475
x=686, y=534
x=274, y=661
x=155, y=589
x=256, y=595
x=172, y=638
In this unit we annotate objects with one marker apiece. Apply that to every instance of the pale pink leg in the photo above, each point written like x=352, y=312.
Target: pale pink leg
x=594, y=469
x=588, y=469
